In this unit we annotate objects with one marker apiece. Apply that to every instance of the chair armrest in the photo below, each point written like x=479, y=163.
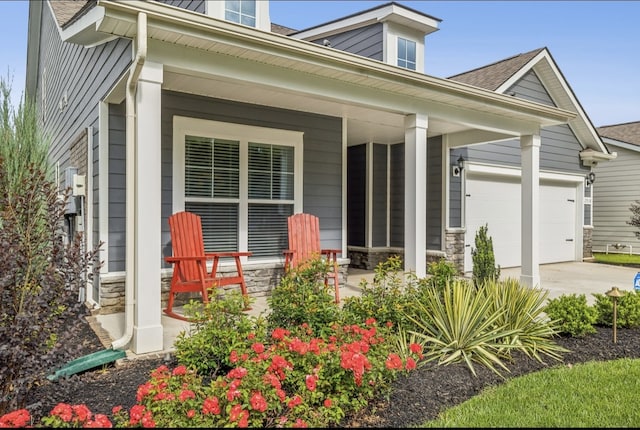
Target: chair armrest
x=185, y=258
x=229, y=254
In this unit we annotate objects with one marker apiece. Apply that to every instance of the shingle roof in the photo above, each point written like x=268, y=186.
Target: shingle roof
x=66, y=11
x=493, y=75
x=628, y=132
x=281, y=29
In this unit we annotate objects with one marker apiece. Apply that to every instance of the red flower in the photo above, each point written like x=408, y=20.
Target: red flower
x=211, y=405
x=82, y=413
x=100, y=421
x=186, y=394
x=143, y=391
x=327, y=403
x=310, y=380
x=393, y=362
x=116, y=409
x=279, y=333
x=258, y=348
x=179, y=371
x=300, y=424
x=233, y=357
x=411, y=364
x=370, y=321
x=17, y=418
x=237, y=373
x=258, y=403
x=295, y=401
x=63, y=411
x=191, y=413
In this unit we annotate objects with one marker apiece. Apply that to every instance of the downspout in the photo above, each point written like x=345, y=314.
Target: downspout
x=132, y=85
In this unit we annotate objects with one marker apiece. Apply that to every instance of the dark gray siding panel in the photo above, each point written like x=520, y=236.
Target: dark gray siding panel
x=396, y=184
x=559, y=151
x=365, y=41
x=455, y=190
x=117, y=188
x=531, y=88
x=82, y=77
x=587, y=207
x=356, y=195
x=434, y=192
x=193, y=5
x=379, y=195
x=322, y=153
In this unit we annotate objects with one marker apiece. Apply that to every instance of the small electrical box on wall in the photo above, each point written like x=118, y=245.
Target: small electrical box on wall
x=78, y=189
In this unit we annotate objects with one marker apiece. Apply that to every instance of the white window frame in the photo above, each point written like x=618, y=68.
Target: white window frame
x=184, y=126
x=408, y=42
x=216, y=9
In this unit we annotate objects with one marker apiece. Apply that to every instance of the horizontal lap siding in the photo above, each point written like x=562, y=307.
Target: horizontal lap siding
x=322, y=153
x=434, y=193
x=117, y=187
x=365, y=41
x=85, y=75
x=616, y=187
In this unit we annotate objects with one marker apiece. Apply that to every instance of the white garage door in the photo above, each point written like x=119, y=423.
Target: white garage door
x=496, y=202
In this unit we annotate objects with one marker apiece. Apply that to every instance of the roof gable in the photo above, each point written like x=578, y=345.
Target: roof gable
x=492, y=76
x=503, y=75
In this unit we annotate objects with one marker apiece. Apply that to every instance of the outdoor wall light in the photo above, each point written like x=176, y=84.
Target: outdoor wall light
x=614, y=293
x=458, y=167
x=591, y=178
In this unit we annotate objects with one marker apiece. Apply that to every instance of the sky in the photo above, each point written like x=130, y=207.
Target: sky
x=596, y=44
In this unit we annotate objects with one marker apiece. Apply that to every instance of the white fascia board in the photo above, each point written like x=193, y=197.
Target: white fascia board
x=391, y=12
x=83, y=31
x=621, y=144
x=566, y=101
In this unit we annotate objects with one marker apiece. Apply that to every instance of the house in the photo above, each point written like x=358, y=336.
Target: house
x=492, y=176
x=618, y=187
x=159, y=106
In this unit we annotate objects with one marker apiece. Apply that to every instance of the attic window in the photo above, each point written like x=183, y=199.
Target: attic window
x=241, y=11
x=406, y=53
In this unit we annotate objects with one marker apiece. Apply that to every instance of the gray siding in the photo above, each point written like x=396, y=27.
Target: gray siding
x=365, y=41
x=356, y=195
x=396, y=181
x=559, y=151
x=455, y=190
x=587, y=207
x=117, y=187
x=434, y=193
x=85, y=75
x=322, y=154
x=379, y=195
x=616, y=187
x=530, y=88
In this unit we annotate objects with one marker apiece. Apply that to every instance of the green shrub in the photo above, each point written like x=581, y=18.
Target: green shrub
x=441, y=273
x=627, y=309
x=523, y=312
x=484, y=262
x=384, y=299
x=302, y=297
x=219, y=327
x=572, y=314
x=41, y=276
x=460, y=325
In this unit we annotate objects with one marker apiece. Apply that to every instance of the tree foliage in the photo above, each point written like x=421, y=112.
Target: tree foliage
x=484, y=262
x=635, y=217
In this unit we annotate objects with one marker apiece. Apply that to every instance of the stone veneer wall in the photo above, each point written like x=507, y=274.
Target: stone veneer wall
x=454, y=247
x=587, y=242
x=260, y=279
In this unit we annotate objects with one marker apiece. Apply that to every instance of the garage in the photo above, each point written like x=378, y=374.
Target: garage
x=495, y=201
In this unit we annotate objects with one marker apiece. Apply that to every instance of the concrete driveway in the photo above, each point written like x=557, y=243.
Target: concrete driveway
x=579, y=278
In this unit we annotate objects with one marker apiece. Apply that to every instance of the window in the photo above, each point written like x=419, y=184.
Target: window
x=406, y=53
x=241, y=11
x=243, y=181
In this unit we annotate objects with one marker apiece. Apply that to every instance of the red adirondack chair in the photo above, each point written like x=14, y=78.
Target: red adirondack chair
x=190, y=262
x=304, y=244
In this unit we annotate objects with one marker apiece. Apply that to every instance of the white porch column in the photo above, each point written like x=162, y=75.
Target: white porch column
x=415, y=194
x=530, y=195
x=147, y=329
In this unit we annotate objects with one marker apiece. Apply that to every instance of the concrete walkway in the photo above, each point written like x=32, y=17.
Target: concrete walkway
x=559, y=278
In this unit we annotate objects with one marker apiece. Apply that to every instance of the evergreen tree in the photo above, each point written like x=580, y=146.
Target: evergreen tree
x=484, y=262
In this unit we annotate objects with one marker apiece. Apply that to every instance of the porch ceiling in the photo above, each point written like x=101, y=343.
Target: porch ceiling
x=363, y=124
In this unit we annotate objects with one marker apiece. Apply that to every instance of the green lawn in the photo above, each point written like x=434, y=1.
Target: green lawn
x=617, y=258
x=595, y=394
